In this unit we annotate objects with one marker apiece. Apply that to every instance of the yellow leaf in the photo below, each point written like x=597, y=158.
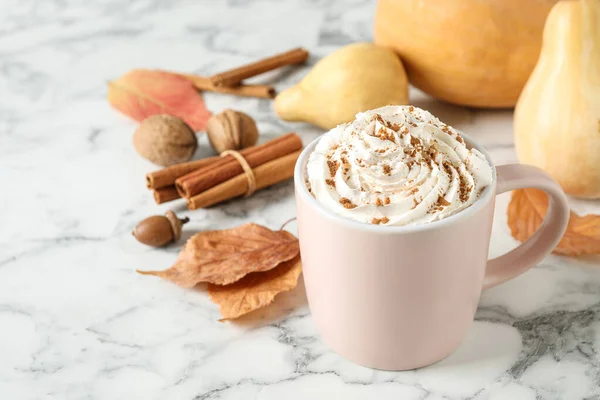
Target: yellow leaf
x=527, y=210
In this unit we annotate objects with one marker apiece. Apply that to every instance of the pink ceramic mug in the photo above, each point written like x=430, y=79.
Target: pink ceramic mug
x=400, y=298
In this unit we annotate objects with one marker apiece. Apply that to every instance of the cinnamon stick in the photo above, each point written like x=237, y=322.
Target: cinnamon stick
x=166, y=176
x=236, y=75
x=267, y=174
x=165, y=194
x=228, y=167
x=203, y=83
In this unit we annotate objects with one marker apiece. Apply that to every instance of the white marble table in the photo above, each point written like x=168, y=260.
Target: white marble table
x=76, y=322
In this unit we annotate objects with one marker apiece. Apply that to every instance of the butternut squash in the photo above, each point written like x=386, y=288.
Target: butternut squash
x=557, y=118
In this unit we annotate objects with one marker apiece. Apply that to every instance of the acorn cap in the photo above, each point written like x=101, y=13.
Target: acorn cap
x=176, y=224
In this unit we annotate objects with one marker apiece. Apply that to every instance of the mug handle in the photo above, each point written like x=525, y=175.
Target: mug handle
x=543, y=241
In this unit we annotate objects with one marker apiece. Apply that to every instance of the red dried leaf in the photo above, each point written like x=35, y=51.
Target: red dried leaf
x=141, y=93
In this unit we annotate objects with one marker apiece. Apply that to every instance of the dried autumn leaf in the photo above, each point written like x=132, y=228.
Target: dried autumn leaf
x=141, y=93
x=527, y=210
x=255, y=290
x=223, y=257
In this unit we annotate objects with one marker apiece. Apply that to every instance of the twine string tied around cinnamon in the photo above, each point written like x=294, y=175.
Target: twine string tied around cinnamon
x=247, y=170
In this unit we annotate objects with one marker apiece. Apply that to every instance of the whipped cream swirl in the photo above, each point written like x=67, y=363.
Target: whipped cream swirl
x=396, y=165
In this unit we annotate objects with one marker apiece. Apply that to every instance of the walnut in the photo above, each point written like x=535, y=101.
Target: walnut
x=231, y=130
x=165, y=140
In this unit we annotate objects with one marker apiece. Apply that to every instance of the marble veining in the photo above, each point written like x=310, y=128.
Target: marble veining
x=76, y=322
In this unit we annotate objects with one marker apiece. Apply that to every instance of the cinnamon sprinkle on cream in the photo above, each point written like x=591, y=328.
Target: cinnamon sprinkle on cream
x=377, y=221
x=441, y=201
x=393, y=160
x=383, y=134
x=347, y=203
x=333, y=166
x=415, y=141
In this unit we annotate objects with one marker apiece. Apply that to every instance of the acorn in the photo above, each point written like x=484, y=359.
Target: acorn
x=159, y=230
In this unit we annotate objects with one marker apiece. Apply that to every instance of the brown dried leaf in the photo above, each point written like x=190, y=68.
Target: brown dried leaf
x=526, y=212
x=223, y=257
x=255, y=290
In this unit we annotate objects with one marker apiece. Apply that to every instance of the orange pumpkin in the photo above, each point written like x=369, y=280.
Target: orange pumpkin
x=476, y=53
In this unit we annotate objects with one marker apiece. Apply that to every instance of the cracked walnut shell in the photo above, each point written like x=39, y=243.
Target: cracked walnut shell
x=231, y=130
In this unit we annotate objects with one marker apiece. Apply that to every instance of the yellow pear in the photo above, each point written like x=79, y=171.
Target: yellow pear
x=355, y=78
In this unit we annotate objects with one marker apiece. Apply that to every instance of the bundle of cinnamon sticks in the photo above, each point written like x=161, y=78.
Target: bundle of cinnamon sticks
x=231, y=81
x=212, y=180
